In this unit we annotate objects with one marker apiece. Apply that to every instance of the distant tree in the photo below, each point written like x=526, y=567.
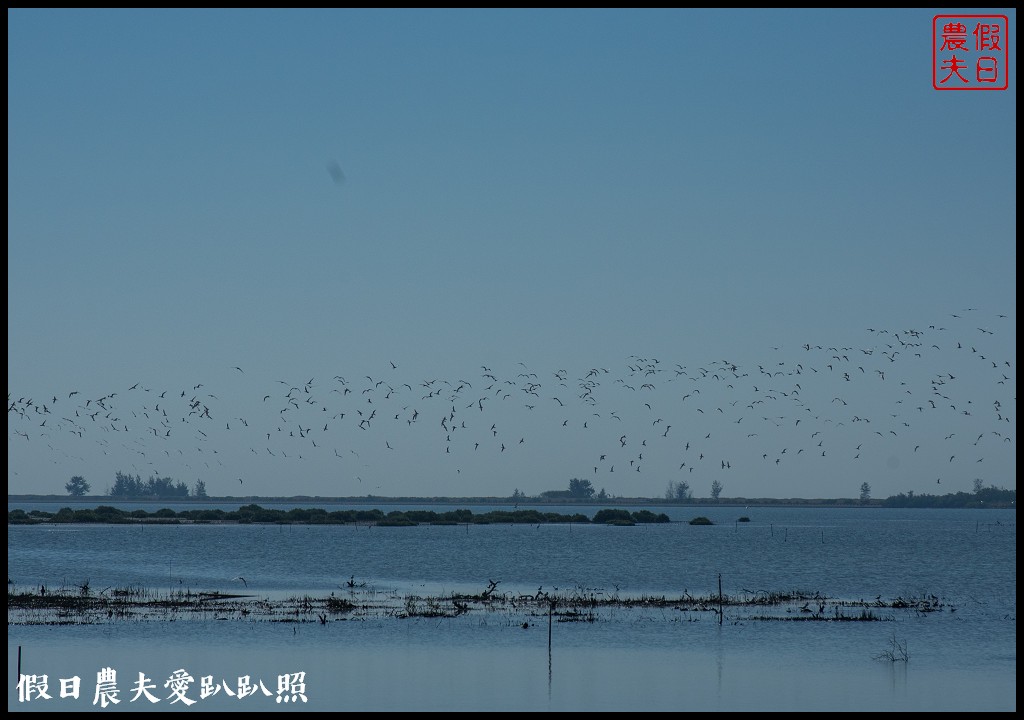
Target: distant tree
x=200, y=489
x=126, y=485
x=978, y=484
x=716, y=490
x=678, y=491
x=581, y=488
x=165, y=487
x=159, y=487
x=602, y=495
x=989, y=497
x=518, y=494
x=77, y=486
x=865, y=492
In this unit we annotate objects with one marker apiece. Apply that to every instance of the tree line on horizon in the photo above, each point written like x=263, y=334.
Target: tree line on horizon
x=133, y=487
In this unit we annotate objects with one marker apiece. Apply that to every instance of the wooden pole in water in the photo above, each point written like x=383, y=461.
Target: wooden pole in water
x=719, y=598
x=551, y=611
x=19, y=663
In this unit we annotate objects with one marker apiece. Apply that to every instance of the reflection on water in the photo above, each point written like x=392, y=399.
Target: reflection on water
x=427, y=666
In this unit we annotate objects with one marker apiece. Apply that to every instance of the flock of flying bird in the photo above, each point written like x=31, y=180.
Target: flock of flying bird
x=934, y=392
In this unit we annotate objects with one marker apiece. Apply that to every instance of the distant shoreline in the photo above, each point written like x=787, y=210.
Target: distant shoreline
x=990, y=499
x=486, y=501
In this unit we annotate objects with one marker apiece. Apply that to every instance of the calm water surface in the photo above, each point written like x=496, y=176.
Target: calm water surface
x=961, y=658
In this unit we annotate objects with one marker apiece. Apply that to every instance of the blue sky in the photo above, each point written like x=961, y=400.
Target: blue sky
x=661, y=196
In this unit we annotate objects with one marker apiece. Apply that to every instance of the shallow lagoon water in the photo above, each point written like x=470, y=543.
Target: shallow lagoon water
x=421, y=664
x=961, y=658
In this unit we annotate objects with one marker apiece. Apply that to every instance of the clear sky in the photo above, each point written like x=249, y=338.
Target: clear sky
x=461, y=252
